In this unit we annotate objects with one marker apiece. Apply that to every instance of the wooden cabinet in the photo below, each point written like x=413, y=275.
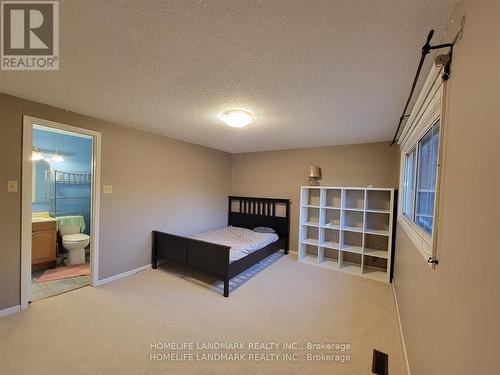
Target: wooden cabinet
x=43, y=243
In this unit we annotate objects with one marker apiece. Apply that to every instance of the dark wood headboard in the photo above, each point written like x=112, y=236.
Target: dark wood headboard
x=251, y=212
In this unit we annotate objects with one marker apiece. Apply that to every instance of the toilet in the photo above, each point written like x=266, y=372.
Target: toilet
x=75, y=242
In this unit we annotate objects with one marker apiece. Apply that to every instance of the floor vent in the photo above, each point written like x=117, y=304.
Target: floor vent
x=380, y=365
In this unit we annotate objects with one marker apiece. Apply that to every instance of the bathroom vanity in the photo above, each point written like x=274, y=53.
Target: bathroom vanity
x=43, y=242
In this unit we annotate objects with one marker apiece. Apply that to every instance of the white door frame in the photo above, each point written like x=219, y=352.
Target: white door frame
x=26, y=200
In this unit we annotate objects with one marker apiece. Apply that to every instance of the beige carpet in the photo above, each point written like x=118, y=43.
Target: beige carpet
x=109, y=330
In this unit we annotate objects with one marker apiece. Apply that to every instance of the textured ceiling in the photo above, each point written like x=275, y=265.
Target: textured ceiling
x=313, y=73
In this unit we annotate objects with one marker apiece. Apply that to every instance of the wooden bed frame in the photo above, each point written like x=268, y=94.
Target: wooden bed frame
x=213, y=258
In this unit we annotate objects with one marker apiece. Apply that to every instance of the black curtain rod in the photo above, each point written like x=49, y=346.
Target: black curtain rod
x=426, y=49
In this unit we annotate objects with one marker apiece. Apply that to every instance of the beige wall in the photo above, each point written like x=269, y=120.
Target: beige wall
x=158, y=183
x=450, y=316
x=279, y=174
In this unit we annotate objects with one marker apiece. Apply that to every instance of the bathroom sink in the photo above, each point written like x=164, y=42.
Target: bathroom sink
x=41, y=217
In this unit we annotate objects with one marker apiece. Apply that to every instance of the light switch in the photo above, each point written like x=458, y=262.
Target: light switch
x=12, y=186
x=107, y=189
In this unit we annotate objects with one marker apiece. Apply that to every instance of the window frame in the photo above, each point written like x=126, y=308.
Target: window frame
x=413, y=178
x=427, y=111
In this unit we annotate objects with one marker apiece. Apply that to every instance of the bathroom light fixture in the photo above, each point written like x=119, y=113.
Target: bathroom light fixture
x=36, y=154
x=236, y=118
x=57, y=158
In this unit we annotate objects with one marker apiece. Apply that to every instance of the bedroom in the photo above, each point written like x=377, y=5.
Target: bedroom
x=325, y=84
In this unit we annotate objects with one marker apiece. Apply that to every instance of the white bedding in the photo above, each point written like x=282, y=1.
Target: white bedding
x=242, y=241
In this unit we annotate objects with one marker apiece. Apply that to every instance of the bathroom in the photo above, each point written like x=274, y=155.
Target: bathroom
x=61, y=211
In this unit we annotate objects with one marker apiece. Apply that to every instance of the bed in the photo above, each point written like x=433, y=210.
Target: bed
x=226, y=252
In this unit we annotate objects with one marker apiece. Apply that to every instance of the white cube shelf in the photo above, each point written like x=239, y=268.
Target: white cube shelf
x=348, y=229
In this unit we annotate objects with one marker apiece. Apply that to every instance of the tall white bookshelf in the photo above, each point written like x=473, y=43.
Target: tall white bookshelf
x=348, y=229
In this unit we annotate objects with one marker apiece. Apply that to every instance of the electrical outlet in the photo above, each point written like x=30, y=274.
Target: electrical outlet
x=12, y=186
x=107, y=189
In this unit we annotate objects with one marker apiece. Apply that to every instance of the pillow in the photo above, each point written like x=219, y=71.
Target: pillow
x=264, y=230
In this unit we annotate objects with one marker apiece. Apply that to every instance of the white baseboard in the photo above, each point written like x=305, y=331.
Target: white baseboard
x=10, y=310
x=401, y=329
x=122, y=275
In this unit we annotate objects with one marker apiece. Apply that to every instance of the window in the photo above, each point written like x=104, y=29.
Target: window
x=426, y=178
x=419, y=170
x=418, y=205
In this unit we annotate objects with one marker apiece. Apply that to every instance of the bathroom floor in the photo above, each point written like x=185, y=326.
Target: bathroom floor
x=41, y=290
x=52, y=288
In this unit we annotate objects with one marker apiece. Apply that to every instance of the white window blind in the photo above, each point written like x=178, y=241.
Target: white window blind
x=421, y=151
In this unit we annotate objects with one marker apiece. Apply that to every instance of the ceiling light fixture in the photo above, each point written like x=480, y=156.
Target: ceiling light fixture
x=236, y=118
x=36, y=154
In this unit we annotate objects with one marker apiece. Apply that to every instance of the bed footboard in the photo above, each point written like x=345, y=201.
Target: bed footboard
x=206, y=256
x=168, y=246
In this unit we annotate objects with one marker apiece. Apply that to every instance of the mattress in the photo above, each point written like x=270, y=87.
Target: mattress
x=242, y=241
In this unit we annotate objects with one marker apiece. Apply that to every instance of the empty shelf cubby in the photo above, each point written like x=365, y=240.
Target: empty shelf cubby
x=330, y=238
x=353, y=220
x=354, y=199
x=331, y=254
x=333, y=198
x=375, y=262
x=375, y=268
x=308, y=253
x=378, y=200
x=376, y=245
x=377, y=223
x=310, y=235
x=352, y=242
x=313, y=198
x=311, y=215
x=329, y=257
x=350, y=262
x=312, y=250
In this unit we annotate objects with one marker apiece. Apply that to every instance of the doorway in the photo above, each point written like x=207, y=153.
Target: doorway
x=60, y=207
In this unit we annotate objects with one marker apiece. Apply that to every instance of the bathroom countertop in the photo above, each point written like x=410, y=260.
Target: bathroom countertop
x=41, y=217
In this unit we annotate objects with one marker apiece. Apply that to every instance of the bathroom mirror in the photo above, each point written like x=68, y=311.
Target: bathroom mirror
x=40, y=182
